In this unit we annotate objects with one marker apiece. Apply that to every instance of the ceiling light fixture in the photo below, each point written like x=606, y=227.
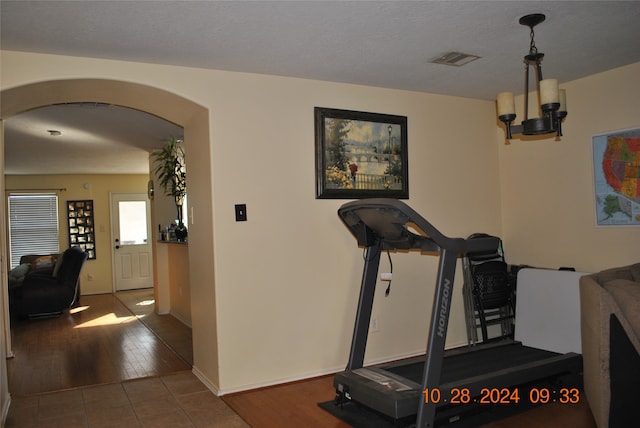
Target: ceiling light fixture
x=552, y=100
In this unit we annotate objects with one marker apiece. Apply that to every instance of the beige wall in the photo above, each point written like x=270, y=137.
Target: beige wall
x=180, y=290
x=97, y=275
x=286, y=281
x=547, y=185
x=288, y=278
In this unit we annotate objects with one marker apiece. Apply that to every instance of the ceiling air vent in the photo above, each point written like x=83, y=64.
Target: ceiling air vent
x=456, y=59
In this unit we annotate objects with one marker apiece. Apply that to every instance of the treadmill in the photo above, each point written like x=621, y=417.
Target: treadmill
x=395, y=392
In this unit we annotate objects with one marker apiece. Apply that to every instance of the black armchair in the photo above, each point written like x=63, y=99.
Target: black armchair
x=49, y=292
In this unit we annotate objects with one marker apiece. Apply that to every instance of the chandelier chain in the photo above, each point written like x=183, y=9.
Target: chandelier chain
x=532, y=45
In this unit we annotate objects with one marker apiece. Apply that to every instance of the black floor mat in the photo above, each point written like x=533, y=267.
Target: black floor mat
x=359, y=416
x=356, y=416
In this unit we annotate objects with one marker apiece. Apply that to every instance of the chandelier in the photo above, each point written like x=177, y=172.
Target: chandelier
x=552, y=101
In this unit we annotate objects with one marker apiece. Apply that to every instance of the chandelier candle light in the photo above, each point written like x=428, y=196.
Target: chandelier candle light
x=553, y=101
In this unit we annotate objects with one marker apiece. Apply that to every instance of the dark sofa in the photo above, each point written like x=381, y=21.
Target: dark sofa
x=48, y=287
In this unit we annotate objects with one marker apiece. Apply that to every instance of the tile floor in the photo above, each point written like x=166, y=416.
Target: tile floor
x=175, y=401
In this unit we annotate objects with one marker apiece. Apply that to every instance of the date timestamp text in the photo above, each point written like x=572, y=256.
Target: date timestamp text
x=503, y=396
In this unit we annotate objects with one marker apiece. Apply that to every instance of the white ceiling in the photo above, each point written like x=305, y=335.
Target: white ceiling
x=378, y=43
x=96, y=139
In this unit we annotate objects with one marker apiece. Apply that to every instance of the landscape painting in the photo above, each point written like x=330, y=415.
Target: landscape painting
x=360, y=155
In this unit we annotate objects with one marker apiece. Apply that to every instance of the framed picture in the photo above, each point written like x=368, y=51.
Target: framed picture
x=360, y=155
x=81, y=231
x=616, y=173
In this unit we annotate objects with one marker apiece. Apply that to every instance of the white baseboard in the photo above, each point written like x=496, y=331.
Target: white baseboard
x=320, y=373
x=205, y=381
x=279, y=381
x=5, y=410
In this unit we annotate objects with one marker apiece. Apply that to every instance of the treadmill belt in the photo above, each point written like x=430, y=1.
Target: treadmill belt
x=475, y=363
x=491, y=366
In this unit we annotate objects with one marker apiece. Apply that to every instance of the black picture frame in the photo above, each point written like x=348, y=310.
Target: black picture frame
x=360, y=155
x=81, y=226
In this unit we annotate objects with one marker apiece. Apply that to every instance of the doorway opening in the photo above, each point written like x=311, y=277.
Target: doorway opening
x=195, y=121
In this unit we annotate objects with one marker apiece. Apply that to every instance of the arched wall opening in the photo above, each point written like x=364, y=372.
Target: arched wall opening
x=194, y=119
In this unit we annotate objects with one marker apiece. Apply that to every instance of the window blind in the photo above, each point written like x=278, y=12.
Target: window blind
x=33, y=225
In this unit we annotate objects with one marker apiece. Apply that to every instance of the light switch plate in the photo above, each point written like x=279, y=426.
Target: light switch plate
x=241, y=212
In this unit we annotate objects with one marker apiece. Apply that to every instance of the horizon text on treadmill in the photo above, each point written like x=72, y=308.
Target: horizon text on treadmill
x=502, y=396
x=443, y=315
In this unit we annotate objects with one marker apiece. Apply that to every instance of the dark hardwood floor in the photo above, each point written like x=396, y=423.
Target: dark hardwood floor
x=170, y=330
x=98, y=342
x=103, y=343
x=295, y=405
x=100, y=366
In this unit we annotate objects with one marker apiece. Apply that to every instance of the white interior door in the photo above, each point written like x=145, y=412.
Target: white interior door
x=132, y=250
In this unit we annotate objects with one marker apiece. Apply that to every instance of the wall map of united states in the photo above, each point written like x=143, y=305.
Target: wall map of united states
x=621, y=166
x=616, y=173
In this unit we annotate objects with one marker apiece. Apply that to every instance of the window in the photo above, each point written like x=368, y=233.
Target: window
x=132, y=222
x=33, y=225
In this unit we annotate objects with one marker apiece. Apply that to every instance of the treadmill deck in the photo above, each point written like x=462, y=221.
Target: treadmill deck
x=395, y=389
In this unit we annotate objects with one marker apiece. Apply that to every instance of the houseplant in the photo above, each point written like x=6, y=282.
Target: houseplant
x=171, y=172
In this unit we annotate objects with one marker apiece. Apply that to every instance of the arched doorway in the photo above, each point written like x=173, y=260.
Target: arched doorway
x=195, y=121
